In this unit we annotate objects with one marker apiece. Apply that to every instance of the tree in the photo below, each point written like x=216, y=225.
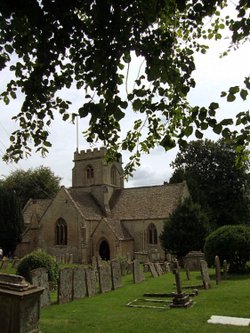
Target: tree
x=214, y=180
x=11, y=221
x=39, y=183
x=51, y=45
x=185, y=230
x=231, y=243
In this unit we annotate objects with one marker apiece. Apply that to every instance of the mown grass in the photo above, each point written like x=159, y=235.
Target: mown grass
x=108, y=313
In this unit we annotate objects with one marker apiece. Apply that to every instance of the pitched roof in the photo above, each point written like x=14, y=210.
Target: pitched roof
x=88, y=206
x=153, y=202
x=37, y=206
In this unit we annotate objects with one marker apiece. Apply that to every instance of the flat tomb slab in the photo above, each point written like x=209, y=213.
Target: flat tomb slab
x=229, y=320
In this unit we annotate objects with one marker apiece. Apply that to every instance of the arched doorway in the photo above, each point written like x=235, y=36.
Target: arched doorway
x=104, y=251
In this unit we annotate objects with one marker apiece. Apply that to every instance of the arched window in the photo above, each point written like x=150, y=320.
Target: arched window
x=61, y=232
x=113, y=176
x=152, y=234
x=90, y=172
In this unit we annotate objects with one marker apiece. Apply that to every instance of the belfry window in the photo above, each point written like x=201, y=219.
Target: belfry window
x=61, y=232
x=90, y=172
x=152, y=234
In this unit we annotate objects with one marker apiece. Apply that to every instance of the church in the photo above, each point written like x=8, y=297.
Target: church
x=98, y=217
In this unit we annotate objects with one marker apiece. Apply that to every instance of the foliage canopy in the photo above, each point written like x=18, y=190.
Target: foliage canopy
x=38, y=183
x=185, y=230
x=11, y=221
x=231, y=243
x=214, y=180
x=53, y=45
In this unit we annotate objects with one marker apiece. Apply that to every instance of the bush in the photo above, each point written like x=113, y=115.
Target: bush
x=231, y=243
x=185, y=230
x=37, y=259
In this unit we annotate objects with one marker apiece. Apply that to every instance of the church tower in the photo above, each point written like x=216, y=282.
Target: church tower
x=91, y=173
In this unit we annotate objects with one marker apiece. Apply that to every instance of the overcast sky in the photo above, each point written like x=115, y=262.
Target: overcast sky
x=212, y=76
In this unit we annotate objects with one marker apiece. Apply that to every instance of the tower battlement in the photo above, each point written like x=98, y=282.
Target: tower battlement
x=90, y=154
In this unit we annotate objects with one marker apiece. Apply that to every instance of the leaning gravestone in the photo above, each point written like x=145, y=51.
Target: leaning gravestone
x=39, y=278
x=105, y=281
x=90, y=276
x=137, y=272
x=19, y=305
x=65, y=285
x=158, y=268
x=217, y=269
x=116, y=274
x=152, y=270
x=79, y=283
x=205, y=275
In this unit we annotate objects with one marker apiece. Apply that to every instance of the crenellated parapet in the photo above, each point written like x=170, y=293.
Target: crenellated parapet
x=89, y=154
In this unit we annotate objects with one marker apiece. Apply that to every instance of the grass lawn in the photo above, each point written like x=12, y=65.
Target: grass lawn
x=108, y=313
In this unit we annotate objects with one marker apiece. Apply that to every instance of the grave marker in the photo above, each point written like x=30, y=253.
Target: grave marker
x=39, y=278
x=217, y=269
x=205, y=275
x=105, y=280
x=79, y=283
x=90, y=276
x=65, y=285
x=116, y=274
x=137, y=272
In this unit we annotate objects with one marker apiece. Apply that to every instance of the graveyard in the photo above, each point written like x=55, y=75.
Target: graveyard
x=143, y=304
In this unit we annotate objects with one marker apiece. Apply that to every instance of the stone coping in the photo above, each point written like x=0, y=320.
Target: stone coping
x=229, y=320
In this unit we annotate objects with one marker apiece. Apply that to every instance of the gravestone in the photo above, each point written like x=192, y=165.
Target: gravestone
x=205, y=275
x=225, y=269
x=65, y=285
x=167, y=267
x=105, y=281
x=217, y=269
x=79, y=283
x=15, y=263
x=137, y=272
x=192, y=260
x=5, y=263
x=90, y=276
x=116, y=274
x=39, y=278
x=153, y=270
x=19, y=305
x=158, y=268
x=180, y=300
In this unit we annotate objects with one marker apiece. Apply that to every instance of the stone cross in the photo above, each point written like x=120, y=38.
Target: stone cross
x=176, y=271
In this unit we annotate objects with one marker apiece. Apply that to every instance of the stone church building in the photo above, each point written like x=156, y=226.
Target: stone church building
x=97, y=216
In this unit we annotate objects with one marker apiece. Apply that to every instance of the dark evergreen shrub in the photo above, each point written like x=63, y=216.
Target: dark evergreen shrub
x=231, y=243
x=37, y=259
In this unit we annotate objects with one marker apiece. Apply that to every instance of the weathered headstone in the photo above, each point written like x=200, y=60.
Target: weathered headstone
x=79, y=283
x=192, y=260
x=153, y=270
x=5, y=263
x=217, y=269
x=167, y=267
x=158, y=268
x=116, y=274
x=19, y=305
x=15, y=263
x=39, y=278
x=105, y=280
x=65, y=285
x=90, y=275
x=137, y=272
x=225, y=269
x=205, y=275
x=71, y=258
